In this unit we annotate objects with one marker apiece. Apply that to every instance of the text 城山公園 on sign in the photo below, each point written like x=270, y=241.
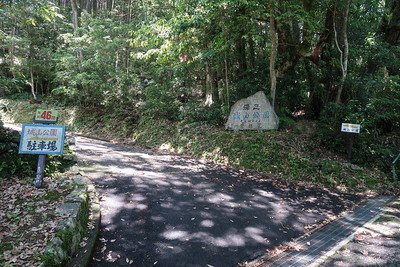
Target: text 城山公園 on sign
x=42, y=139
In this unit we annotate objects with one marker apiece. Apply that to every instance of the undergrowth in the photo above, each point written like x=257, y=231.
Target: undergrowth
x=281, y=154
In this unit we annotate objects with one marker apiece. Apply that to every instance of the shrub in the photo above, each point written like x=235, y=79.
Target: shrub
x=13, y=163
x=160, y=103
x=378, y=141
x=194, y=113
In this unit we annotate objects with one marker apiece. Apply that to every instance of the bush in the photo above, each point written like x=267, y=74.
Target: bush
x=13, y=163
x=194, y=113
x=160, y=104
x=378, y=141
x=11, y=86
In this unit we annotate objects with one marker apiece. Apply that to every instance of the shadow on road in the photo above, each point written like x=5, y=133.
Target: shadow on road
x=166, y=210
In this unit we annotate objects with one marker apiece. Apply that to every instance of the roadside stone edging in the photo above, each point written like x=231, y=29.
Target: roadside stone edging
x=76, y=235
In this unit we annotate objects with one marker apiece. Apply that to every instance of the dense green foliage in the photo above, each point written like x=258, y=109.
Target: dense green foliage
x=188, y=61
x=379, y=141
x=14, y=164
x=11, y=162
x=24, y=165
x=283, y=154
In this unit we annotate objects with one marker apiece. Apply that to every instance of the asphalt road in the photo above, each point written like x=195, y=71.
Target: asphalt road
x=167, y=210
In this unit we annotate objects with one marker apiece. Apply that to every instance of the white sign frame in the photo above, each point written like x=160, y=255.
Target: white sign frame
x=351, y=128
x=42, y=139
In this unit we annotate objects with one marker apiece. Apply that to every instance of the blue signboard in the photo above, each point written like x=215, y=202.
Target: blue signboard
x=42, y=139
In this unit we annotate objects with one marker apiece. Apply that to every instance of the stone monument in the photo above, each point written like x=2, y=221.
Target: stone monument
x=253, y=113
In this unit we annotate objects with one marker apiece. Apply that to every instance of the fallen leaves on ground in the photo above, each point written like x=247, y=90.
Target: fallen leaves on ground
x=293, y=246
x=28, y=218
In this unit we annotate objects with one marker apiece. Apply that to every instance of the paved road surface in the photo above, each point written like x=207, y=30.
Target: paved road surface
x=167, y=210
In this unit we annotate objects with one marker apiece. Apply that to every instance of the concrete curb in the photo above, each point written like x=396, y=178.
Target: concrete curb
x=346, y=240
x=324, y=242
x=371, y=225
x=76, y=235
x=82, y=256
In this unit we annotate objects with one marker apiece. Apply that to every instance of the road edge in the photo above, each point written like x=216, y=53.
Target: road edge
x=83, y=255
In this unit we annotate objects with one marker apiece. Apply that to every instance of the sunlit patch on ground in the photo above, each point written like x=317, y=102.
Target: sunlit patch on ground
x=181, y=212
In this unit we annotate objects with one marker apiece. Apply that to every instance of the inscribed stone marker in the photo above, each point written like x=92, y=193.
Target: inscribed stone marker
x=253, y=113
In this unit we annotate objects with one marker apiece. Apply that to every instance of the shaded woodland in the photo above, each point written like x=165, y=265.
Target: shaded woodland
x=189, y=60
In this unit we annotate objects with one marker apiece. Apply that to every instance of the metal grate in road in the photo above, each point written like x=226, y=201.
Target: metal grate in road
x=326, y=241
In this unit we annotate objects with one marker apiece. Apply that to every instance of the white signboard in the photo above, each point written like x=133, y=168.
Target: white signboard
x=42, y=139
x=351, y=128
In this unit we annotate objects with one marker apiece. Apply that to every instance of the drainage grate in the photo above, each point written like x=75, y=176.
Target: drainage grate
x=328, y=239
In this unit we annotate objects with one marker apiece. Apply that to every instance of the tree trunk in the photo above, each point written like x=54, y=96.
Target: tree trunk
x=272, y=59
x=12, y=50
x=212, y=96
x=289, y=45
x=94, y=6
x=208, y=92
x=215, y=87
x=227, y=80
x=130, y=12
x=75, y=23
x=343, y=48
x=241, y=52
x=252, y=53
x=391, y=31
x=241, y=46
x=127, y=57
x=33, y=84
x=116, y=61
x=75, y=13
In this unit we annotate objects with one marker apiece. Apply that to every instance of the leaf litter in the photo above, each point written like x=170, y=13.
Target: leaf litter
x=28, y=218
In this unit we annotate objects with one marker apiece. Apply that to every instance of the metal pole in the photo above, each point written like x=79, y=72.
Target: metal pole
x=394, y=168
x=40, y=170
x=396, y=159
x=350, y=142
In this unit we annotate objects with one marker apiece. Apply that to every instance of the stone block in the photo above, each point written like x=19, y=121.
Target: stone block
x=253, y=113
x=81, y=180
x=78, y=195
x=72, y=209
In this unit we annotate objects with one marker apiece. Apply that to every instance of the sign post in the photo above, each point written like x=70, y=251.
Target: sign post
x=42, y=139
x=393, y=167
x=40, y=170
x=352, y=129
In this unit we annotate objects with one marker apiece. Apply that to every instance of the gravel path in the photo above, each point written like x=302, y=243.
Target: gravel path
x=166, y=210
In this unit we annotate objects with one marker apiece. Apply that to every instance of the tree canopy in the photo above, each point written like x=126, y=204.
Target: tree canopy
x=186, y=60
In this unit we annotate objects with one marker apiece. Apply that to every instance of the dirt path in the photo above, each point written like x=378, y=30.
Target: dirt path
x=166, y=210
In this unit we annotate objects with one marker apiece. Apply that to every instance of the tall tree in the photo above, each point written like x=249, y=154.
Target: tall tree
x=272, y=61
x=342, y=43
x=75, y=14
x=391, y=32
x=30, y=37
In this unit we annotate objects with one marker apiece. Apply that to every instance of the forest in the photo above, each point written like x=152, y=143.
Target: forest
x=189, y=61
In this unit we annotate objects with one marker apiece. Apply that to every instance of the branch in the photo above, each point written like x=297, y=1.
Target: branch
x=315, y=56
x=337, y=43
